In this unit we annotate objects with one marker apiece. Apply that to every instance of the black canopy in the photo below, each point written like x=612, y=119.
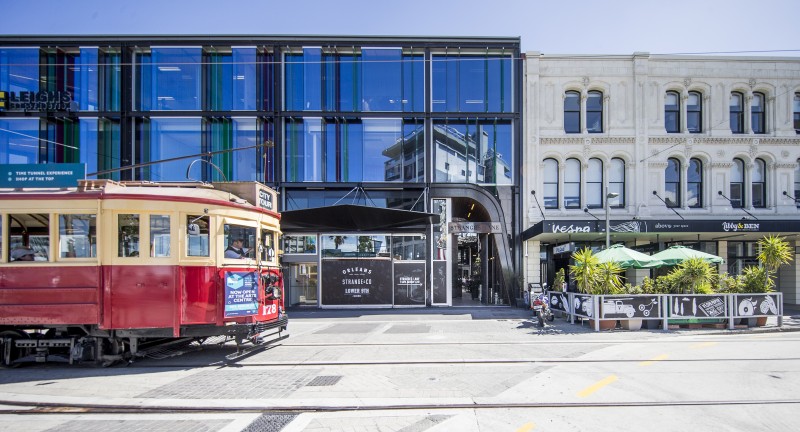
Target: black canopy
x=348, y=217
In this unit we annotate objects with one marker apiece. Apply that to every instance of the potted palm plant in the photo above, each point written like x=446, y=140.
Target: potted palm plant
x=595, y=278
x=774, y=251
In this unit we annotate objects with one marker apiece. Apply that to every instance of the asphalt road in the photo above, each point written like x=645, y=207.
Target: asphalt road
x=483, y=369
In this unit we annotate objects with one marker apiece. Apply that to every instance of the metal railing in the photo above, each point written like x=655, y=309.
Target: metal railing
x=675, y=308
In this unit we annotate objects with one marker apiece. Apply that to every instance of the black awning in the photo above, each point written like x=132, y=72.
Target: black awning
x=348, y=217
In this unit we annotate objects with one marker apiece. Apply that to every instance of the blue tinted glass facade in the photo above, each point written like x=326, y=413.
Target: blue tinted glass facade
x=406, y=112
x=472, y=83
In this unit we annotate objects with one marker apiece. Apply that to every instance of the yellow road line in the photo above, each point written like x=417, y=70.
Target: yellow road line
x=527, y=427
x=703, y=345
x=597, y=386
x=653, y=360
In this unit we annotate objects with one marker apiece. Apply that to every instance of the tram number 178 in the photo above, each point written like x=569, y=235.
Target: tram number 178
x=270, y=309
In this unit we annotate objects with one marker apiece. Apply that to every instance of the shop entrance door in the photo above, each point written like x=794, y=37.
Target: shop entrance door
x=301, y=283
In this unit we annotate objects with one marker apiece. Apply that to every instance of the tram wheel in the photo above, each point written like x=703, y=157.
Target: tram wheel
x=14, y=352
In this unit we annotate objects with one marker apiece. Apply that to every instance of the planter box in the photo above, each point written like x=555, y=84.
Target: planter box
x=631, y=324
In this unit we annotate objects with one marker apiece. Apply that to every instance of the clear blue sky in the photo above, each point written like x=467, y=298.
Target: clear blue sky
x=552, y=26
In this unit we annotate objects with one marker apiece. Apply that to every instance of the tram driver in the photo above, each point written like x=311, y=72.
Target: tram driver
x=236, y=250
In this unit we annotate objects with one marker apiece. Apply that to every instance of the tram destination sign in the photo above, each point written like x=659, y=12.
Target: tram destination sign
x=18, y=176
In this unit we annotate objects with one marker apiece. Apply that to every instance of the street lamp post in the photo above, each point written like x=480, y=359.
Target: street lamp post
x=608, y=225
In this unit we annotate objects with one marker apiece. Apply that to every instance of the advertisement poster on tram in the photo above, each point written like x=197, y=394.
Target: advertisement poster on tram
x=409, y=283
x=241, y=294
x=356, y=282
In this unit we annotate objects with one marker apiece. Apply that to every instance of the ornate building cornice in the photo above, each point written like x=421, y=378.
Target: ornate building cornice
x=584, y=141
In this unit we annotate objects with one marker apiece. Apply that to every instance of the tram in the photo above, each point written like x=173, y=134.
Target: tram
x=109, y=270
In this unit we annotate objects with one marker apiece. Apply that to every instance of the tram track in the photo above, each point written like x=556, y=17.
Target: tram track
x=43, y=408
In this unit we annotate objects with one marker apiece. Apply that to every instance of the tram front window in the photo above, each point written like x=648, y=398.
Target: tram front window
x=239, y=241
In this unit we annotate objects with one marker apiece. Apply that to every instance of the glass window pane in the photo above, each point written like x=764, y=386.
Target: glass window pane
x=239, y=242
x=694, y=113
x=128, y=235
x=413, y=83
x=472, y=84
x=28, y=237
x=302, y=244
x=616, y=182
x=572, y=184
x=379, y=136
x=382, y=85
x=159, y=236
x=672, y=186
x=303, y=80
x=672, y=112
x=736, y=113
x=77, y=235
x=550, y=183
x=197, y=235
x=170, y=138
x=19, y=69
x=304, y=157
x=572, y=112
x=499, y=84
x=176, y=79
x=19, y=141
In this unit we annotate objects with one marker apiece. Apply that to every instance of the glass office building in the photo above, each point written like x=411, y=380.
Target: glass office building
x=411, y=124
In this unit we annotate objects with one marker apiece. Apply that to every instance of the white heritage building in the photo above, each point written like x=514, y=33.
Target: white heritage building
x=696, y=150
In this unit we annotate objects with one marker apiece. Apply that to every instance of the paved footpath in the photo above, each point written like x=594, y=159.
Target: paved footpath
x=373, y=344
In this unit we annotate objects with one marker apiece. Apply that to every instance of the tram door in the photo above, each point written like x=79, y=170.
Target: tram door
x=302, y=283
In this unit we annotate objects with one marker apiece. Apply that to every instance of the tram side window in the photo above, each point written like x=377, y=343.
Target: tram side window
x=197, y=235
x=239, y=241
x=77, y=235
x=268, y=240
x=159, y=236
x=28, y=237
x=128, y=235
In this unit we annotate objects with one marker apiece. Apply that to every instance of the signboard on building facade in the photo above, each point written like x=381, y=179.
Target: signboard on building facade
x=356, y=282
x=474, y=228
x=41, y=175
x=57, y=100
x=409, y=283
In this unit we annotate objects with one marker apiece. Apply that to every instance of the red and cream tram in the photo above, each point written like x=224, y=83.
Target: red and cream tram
x=103, y=271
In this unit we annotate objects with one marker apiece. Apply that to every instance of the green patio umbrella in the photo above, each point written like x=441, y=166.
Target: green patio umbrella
x=676, y=254
x=625, y=257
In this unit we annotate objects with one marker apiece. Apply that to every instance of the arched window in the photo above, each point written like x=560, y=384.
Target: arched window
x=594, y=112
x=594, y=184
x=737, y=184
x=572, y=112
x=550, y=183
x=672, y=183
x=694, y=184
x=797, y=113
x=694, y=113
x=672, y=112
x=737, y=113
x=757, y=117
x=572, y=184
x=616, y=182
x=758, y=183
